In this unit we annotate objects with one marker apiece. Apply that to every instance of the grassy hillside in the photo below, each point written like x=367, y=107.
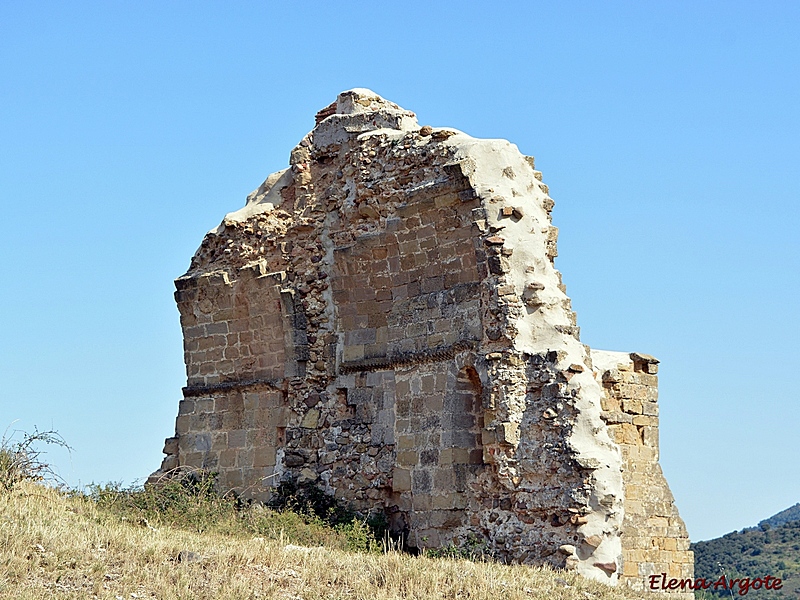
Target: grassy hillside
x=753, y=553
x=115, y=544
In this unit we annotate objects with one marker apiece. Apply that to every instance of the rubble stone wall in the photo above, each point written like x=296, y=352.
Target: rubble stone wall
x=383, y=319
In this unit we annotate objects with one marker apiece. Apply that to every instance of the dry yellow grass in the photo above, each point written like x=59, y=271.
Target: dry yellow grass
x=54, y=546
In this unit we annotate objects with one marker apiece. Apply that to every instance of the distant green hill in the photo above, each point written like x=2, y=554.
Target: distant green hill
x=753, y=553
x=785, y=516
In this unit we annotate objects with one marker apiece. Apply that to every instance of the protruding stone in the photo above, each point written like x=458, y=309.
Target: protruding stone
x=170, y=445
x=365, y=210
x=594, y=541
x=645, y=362
x=608, y=567
x=578, y=520
x=307, y=476
x=311, y=419
x=508, y=433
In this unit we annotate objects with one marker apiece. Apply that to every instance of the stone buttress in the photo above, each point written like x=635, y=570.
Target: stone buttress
x=383, y=319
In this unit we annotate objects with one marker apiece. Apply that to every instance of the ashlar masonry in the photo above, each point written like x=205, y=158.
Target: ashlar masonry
x=383, y=319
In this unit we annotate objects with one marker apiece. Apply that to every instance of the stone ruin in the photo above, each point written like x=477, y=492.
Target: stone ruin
x=383, y=320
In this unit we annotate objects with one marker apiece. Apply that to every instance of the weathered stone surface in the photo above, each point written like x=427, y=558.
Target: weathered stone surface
x=383, y=319
x=654, y=538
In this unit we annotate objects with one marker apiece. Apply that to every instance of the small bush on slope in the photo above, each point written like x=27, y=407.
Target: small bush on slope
x=21, y=460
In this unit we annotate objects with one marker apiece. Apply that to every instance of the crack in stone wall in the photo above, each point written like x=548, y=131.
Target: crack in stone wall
x=383, y=319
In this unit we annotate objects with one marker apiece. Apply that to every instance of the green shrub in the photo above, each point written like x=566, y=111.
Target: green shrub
x=311, y=501
x=363, y=533
x=474, y=548
x=302, y=515
x=189, y=502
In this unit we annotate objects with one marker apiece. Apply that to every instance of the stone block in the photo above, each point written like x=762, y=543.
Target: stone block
x=407, y=458
x=446, y=200
x=650, y=438
x=217, y=327
x=186, y=407
x=231, y=479
x=616, y=417
x=366, y=413
x=446, y=519
x=610, y=404
x=444, y=480
x=632, y=406
x=635, y=507
x=307, y=476
x=421, y=483
x=170, y=462
x=352, y=353
x=227, y=458
x=204, y=405
x=657, y=522
x=279, y=417
x=401, y=480
x=311, y=419
x=488, y=437
x=245, y=458
x=182, y=425
x=219, y=441
x=359, y=336
x=647, y=568
x=446, y=457
x=294, y=459
x=650, y=408
x=630, y=569
x=446, y=501
x=627, y=434
x=405, y=442
x=507, y=433
x=461, y=456
x=429, y=456
x=170, y=445
x=237, y=438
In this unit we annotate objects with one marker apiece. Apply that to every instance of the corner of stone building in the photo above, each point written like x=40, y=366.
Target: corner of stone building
x=654, y=537
x=544, y=393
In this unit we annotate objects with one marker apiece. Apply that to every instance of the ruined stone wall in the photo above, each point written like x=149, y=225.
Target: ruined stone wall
x=232, y=417
x=384, y=320
x=654, y=538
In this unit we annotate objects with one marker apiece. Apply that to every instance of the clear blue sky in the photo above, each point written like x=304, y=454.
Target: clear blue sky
x=668, y=132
